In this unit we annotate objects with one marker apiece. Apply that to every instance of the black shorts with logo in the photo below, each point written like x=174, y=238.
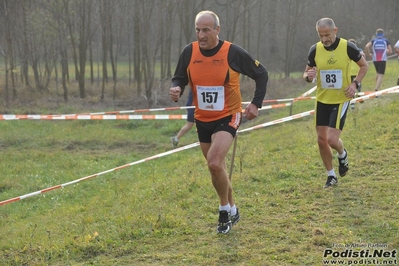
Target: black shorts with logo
x=205, y=130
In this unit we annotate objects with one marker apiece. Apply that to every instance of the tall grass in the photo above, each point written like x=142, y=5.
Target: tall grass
x=164, y=211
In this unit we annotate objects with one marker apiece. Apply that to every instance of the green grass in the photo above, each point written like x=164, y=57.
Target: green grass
x=164, y=211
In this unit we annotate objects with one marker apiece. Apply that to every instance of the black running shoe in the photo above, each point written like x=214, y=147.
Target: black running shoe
x=331, y=181
x=224, y=225
x=343, y=164
x=235, y=218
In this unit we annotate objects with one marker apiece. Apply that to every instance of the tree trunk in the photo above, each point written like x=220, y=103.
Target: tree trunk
x=104, y=11
x=24, y=57
x=137, y=49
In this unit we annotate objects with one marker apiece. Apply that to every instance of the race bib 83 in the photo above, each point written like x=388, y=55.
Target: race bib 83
x=331, y=79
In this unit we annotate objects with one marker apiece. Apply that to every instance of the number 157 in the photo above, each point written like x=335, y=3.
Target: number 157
x=209, y=97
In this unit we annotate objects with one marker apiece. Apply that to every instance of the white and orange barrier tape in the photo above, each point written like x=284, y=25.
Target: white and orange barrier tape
x=98, y=174
x=371, y=92
x=92, y=117
x=111, y=115
x=120, y=116
x=274, y=106
x=374, y=94
x=138, y=111
x=309, y=91
x=142, y=161
x=124, y=115
x=287, y=99
x=278, y=121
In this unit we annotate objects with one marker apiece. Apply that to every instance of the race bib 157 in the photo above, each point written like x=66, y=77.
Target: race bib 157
x=210, y=98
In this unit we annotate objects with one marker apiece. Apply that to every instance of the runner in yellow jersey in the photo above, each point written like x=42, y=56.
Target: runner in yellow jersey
x=329, y=61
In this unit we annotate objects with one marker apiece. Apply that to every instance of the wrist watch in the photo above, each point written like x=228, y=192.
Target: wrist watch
x=357, y=83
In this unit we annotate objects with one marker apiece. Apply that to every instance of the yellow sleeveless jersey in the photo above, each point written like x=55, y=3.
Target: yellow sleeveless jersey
x=333, y=69
x=216, y=87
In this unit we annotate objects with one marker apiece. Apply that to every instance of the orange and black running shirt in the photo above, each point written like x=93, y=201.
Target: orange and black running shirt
x=214, y=78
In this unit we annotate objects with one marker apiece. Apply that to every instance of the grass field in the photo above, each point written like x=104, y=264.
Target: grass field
x=164, y=211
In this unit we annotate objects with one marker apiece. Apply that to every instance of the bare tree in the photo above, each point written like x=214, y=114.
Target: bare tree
x=24, y=54
x=78, y=20
x=137, y=62
x=9, y=14
x=150, y=45
x=58, y=17
x=105, y=32
x=41, y=46
x=117, y=37
x=295, y=10
x=166, y=39
x=37, y=35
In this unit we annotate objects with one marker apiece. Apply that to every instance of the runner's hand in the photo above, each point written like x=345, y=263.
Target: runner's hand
x=251, y=111
x=174, y=93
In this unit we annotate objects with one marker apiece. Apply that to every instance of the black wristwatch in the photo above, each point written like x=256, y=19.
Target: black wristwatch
x=357, y=83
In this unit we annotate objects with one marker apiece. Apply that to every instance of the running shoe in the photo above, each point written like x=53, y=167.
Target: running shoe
x=224, y=225
x=235, y=218
x=343, y=164
x=331, y=181
x=174, y=141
